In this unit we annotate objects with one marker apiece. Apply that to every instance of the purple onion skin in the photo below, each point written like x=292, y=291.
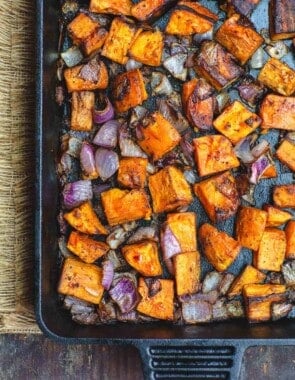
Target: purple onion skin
x=125, y=295
x=107, y=274
x=106, y=162
x=258, y=168
x=101, y=116
x=87, y=161
x=169, y=244
x=107, y=136
x=76, y=193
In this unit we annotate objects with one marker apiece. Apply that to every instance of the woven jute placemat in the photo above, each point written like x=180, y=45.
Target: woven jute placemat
x=17, y=126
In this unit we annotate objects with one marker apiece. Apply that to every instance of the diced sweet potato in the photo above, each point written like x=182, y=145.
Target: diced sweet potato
x=129, y=90
x=275, y=216
x=258, y=299
x=219, y=196
x=81, y=280
x=284, y=196
x=219, y=248
x=236, y=122
x=244, y=7
x=122, y=206
x=250, y=226
x=187, y=90
x=239, y=37
x=290, y=238
x=114, y=7
x=149, y=10
x=132, y=172
x=217, y=65
x=84, y=219
x=147, y=47
x=82, y=110
x=213, y=154
x=250, y=275
x=282, y=19
x=183, y=226
x=158, y=305
x=88, y=249
x=95, y=41
x=159, y=136
x=143, y=257
x=187, y=272
x=278, y=76
x=81, y=27
x=271, y=251
x=278, y=112
x=120, y=38
x=270, y=172
x=91, y=76
x=286, y=154
x=169, y=190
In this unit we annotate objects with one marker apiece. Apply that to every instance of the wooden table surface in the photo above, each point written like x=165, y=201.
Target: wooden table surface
x=34, y=357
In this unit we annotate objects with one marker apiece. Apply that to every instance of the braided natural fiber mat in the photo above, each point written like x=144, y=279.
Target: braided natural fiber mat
x=17, y=71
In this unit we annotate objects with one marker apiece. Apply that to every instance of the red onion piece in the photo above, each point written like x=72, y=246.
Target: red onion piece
x=87, y=160
x=169, y=244
x=127, y=145
x=106, y=162
x=98, y=189
x=260, y=148
x=125, y=295
x=106, y=114
x=243, y=149
x=258, y=168
x=107, y=274
x=107, y=136
x=170, y=266
x=75, y=193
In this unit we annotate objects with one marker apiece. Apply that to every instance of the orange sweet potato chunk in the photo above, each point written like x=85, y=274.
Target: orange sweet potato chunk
x=284, y=196
x=82, y=27
x=95, y=41
x=187, y=272
x=114, y=7
x=286, y=154
x=82, y=110
x=147, y=48
x=275, y=216
x=183, y=226
x=187, y=90
x=148, y=10
x=290, y=237
x=132, y=172
x=278, y=112
x=250, y=275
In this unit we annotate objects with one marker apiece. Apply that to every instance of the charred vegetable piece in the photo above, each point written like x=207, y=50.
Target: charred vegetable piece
x=250, y=275
x=82, y=27
x=219, y=196
x=213, y=154
x=278, y=112
x=144, y=258
x=149, y=10
x=250, y=226
x=259, y=298
x=197, y=311
x=272, y=249
x=81, y=280
x=122, y=206
x=82, y=110
x=220, y=249
x=114, y=7
x=187, y=90
x=159, y=304
x=216, y=65
x=236, y=122
x=244, y=7
x=129, y=90
x=88, y=249
x=124, y=292
x=288, y=270
x=187, y=272
x=278, y=76
x=95, y=41
x=169, y=190
x=275, y=216
x=280, y=310
x=158, y=137
x=147, y=48
x=286, y=154
x=282, y=19
x=284, y=196
x=211, y=282
x=84, y=219
x=251, y=91
x=132, y=172
x=290, y=237
x=183, y=226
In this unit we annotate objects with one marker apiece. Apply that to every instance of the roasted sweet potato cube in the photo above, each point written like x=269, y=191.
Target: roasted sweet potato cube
x=91, y=76
x=147, y=47
x=94, y=42
x=85, y=247
x=217, y=65
x=132, y=172
x=156, y=304
x=183, y=226
x=149, y=10
x=286, y=154
x=120, y=38
x=82, y=110
x=84, y=219
x=219, y=248
x=282, y=19
x=250, y=275
x=81, y=27
x=258, y=299
x=214, y=154
x=290, y=238
x=270, y=172
x=250, y=226
x=278, y=112
x=159, y=136
x=219, y=196
x=190, y=18
x=143, y=257
x=284, y=196
x=81, y=280
x=129, y=90
x=122, y=206
x=187, y=272
x=169, y=190
x=187, y=90
x=236, y=122
x=275, y=216
x=271, y=251
x=114, y=7
x=239, y=37
x=244, y=7
x=278, y=76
